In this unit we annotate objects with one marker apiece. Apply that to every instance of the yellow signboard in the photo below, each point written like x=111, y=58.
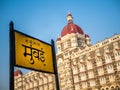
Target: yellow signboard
x=32, y=53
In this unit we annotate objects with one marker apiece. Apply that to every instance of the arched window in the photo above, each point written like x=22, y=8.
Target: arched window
x=83, y=76
x=89, y=65
x=110, y=68
x=98, y=61
x=102, y=80
x=84, y=84
x=117, y=55
x=108, y=58
x=100, y=71
x=107, y=88
x=103, y=88
x=112, y=78
x=117, y=88
x=112, y=88
x=75, y=70
x=82, y=67
x=91, y=74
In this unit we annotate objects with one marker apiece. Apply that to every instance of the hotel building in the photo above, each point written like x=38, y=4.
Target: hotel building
x=81, y=66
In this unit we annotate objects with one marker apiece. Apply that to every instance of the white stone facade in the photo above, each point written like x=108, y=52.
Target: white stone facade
x=96, y=67
x=34, y=81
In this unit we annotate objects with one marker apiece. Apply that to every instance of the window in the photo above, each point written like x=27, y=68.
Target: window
x=112, y=78
x=84, y=84
x=51, y=86
x=68, y=43
x=118, y=65
x=102, y=80
x=77, y=86
x=115, y=45
x=65, y=45
x=79, y=42
x=108, y=59
x=31, y=85
x=106, y=49
x=92, y=83
x=100, y=71
x=75, y=70
x=60, y=62
x=45, y=87
x=83, y=76
x=35, y=83
x=97, y=52
x=59, y=48
x=45, y=80
x=91, y=74
x=82, y=67
x=117, y=55
x=110, y=68
x=89, y=65
x=99, y=61
x=76, y=79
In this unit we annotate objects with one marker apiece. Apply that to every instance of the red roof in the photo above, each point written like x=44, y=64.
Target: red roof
x=58, y=39
x=17, y=72
x=71, y=28
x=86, y=35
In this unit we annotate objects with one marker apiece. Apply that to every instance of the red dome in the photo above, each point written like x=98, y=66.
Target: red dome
x=17, y=72
x=71, y=28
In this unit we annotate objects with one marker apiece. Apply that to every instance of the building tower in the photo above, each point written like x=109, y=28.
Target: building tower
x=72, y=40
x=82, y=66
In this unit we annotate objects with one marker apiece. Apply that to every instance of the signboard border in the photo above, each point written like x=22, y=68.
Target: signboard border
x=12, y=57
x=35, y=39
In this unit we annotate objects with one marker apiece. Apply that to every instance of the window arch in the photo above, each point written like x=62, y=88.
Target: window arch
x=106, y=88
x=117, y=87
x=103, y=88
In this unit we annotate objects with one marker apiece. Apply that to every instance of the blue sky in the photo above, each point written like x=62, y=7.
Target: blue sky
x=45, y=19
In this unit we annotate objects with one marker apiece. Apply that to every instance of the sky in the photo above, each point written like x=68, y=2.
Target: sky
x=45, y=19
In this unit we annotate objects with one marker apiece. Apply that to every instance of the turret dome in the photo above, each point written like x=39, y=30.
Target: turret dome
x=71, y=28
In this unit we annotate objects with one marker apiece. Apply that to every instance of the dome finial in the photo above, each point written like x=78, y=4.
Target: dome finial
x=69, y=17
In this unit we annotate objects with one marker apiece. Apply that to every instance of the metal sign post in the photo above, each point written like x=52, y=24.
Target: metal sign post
x=11, y=71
